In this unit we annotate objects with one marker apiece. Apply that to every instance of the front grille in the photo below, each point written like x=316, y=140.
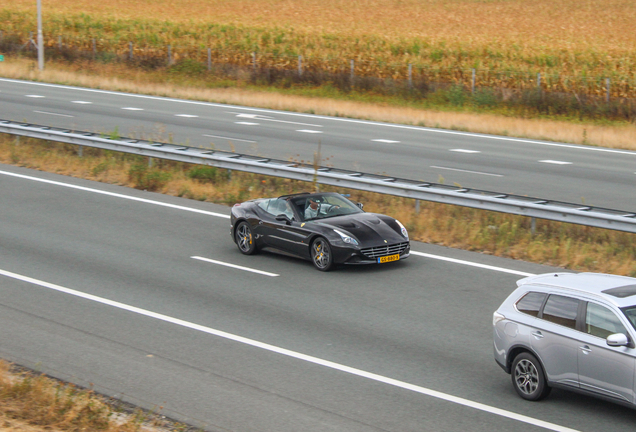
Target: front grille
x=381, y=251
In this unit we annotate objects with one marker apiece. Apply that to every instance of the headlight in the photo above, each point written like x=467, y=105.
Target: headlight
x=404, y=232
x=346, y=238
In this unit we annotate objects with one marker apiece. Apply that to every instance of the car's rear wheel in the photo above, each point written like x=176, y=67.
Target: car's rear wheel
x=245, y=239
x=321, y=254
x=528, y=377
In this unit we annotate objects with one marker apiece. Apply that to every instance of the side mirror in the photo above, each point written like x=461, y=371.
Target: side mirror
x=617, y=340
x=283, y=218
x=360, y=205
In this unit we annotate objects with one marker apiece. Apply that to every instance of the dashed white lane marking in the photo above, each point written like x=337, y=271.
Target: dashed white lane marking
x=228, y=138
x=555, y=162
x=247, y=123
x=186, y=115
x=271, y=119
x=80, y=102
x=143, y=200
x=464, y=151
x=467, y=171
x=55, y=114
x=385, y=141
x=235, y=266
x=132, y=109
x=472, y=264
x=309, y=131
x=296, y=355
x=34, y=96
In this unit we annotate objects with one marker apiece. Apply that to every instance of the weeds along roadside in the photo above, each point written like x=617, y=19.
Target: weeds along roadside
x=570, y=246
x=36, y=403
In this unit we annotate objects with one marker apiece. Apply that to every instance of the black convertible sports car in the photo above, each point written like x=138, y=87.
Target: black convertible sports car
x=325, y=228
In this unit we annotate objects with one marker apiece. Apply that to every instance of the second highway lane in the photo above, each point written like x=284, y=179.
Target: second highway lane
x=556, y=171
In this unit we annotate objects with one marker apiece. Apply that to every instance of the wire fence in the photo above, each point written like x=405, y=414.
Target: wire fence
x=613, y=95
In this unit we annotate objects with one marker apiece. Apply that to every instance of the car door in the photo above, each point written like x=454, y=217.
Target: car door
x=555, y=339
x=283, y=234
x=603, y=369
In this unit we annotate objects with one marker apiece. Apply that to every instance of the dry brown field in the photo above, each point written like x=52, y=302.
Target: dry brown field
x=558, y=37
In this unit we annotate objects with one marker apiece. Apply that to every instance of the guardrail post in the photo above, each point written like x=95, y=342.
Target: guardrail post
x=300, y=65
x=80, y=151
x=533, y=225
x=130, y=46
x=417, y=206
x=254, y=60
x=149, y=162
x=169, y=55
x=410, y=75
x=209, y=59
x=472, y=86
x=59, y=42
x=94, y=49
x=607, y=84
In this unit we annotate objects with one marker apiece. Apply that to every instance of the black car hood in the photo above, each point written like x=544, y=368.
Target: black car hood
x=369, y=228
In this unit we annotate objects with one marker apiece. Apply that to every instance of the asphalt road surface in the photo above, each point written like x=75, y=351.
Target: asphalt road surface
x=145, y=297
x=578, y=174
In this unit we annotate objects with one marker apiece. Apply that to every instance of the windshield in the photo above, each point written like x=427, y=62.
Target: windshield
x=630, y=313
x=325, y=206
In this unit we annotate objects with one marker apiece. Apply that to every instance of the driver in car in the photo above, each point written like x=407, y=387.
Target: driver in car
x=315, y=208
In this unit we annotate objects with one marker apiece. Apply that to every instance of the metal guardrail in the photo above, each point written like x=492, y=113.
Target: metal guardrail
x=479, y=199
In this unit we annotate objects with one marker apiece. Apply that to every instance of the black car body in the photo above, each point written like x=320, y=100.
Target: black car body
x=325, y=228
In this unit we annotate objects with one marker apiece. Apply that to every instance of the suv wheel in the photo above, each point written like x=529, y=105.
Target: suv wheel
x=528, y=377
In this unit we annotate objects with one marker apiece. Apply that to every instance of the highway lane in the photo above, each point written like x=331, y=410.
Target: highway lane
x=579, y=174
x=425, y=322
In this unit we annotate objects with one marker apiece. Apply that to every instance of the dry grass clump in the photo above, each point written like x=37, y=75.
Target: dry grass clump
x=563, y=245
x=558, y=38
x=36, y=403
x=121, y=78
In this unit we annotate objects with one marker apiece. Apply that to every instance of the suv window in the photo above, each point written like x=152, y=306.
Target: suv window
x=531, y=303
x=602, y=322
x=561, y=310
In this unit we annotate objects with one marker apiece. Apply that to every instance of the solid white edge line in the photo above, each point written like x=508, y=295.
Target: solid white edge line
x=322, y=117
x=234, y=266
x=293, y=354
x=472, y=264
x=147, y=201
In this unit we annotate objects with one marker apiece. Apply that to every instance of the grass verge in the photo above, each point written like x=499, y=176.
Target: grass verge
x=36, y=403
x=557, y=244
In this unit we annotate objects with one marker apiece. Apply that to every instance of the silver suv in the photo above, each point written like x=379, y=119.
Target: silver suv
x=572, y=331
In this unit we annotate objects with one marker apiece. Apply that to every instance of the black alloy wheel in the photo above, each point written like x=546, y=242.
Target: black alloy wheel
x=321, y=254
x=528, y=377
x=244, y=239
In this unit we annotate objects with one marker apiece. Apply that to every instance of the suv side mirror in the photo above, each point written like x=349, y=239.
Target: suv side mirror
x=284, y=218
x=617, y=340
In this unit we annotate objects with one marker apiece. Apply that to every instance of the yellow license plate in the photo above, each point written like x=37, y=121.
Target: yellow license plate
x=389, y=258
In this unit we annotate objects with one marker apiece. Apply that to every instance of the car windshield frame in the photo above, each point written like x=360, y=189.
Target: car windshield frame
x=344, y=206
x=630, y=314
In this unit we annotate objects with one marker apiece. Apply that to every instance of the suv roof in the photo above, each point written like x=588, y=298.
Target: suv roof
x=620, y=290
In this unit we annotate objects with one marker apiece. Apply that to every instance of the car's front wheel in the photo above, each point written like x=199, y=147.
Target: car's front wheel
x=321, y=254
x=528, y=377
x=245, y=239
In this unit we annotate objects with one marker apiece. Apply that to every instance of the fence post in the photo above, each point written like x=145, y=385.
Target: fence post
x=209, y=59
x=130, y=46
x=352, y=71
x=300, y=65
x=59, y=42
x=410, y=75
x=472, y=87
x=607, y=83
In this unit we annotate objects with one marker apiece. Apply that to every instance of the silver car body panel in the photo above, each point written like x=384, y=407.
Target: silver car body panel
x=572, y=358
